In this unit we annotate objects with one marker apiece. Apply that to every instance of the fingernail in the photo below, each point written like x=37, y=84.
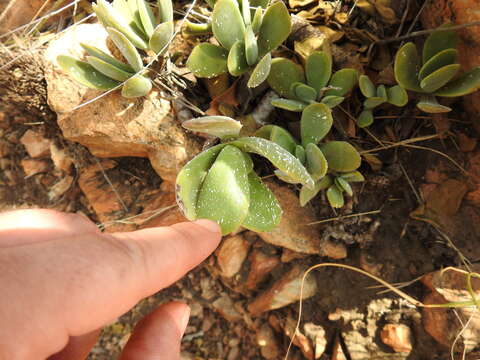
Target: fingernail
x=209, y=225
x=185, y=318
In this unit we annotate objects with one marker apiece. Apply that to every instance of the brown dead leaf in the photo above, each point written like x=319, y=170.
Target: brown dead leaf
x=224, y=102
x=466, y=144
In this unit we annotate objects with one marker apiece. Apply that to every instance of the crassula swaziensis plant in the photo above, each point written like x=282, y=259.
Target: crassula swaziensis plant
x=436, y=73
x=245, y=36
x=220, y=183
x=300, y=88
x=376, y=96
x=131, y=25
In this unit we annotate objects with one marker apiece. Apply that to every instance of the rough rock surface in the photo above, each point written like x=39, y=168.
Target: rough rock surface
x=15, y=13
x=113, y=126
x=231, y=255
x=398, y=337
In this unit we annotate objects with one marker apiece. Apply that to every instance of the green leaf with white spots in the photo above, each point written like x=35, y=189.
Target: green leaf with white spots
x=335, y=197
x=220, y=126
x=136, y=86
x=318, y=69
x=407, y=66
x=283, y=138
x=161, y=37
x=237, y=61
x=260, y=72
x=108, y=69
x=332, y=100
x=341, y=156
x=342, y=82
x=284, y=177
x=315, y=124
x=300, y=154
x=317, y=164
x=275, y=28
x=439, y=78
x=227, y=23
x=257, y=20
x=207, y=60
x=290, y=105
x=305, y=93
x=127, y=49
x=465, y=84
x=283, y=73
x=307, y=194
x=251, y=46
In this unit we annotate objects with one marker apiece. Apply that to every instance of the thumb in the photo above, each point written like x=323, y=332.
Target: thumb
x=158, y=336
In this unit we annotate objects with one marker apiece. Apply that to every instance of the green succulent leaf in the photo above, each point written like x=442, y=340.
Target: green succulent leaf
x=439, y=41
x=85, y=73
x=225, y=193
x=207, y=60
x=443, y=58
x=300, y=154
x=332, y=100
x=439, y=78
x=251, y=47
x=407, y=66
x=124, y=10
x=315, y=124
x=257, y=20
x=317, y=165
x=290, y=105
x=259, y=3
x=373, y=102
x=366, y=86
x=260, y=72
x=354, y=176
x=397, y=96
x=341, y=156
x=264, y=212
x=305, y=93
x=284, y=177
x=134, y=17
x=465, y=84
x=165, y=10
x=136, y=86
x=275, y=28
x=318, y=68
x=382, y=92
x=219, y=126
x=161, y=37
x=342, y=82
x=284, y=73
x=278, y=156
x=335, y=196
x=198, y=29
x=307, y=194
x=108, y=69
x=344, y=185
x=96, y=52
x=147, y=17
x=227, y=23
x=237, y=62
x=365, y=118
x=127, y=49
x=283, y=138
x=248, y=162
x=429, y=104
x=247, y=16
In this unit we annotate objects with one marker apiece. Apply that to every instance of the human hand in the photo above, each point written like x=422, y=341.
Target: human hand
x=61, y=280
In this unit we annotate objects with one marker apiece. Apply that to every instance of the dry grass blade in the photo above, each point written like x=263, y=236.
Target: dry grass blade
x=128, y=220
x=344, y=217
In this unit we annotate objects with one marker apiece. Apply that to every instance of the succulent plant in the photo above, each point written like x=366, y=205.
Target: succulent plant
x=220, y=183
x=298, y=88
x=436, y=73
x=246, y=38
x=332, y=165
x=131, y=25
x=376, y=96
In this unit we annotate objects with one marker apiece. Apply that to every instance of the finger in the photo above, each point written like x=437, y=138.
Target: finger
x=23, y=227
x=78, y=347
x=159, y=335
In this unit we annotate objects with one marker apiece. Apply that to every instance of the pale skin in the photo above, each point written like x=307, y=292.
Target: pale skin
x=62, y=280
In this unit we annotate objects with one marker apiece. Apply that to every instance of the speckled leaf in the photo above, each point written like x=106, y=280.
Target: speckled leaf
x=344, y=185
x=315, y=124
x=219, y=126
x=260, y=72
x=237, y=62
x=345, y=80
x=161, y=37
x=366, y=86
x=332, y=100
x=465, y=84
x=278, y=156
x=165, y=10
x=127, y=49
x=136, y=86
x=257, y=20
x=341, y=156
x=85, y=73
x=318, y=69
x=108, y=69
x=227, y=23
x=276, y=26
x=439, y=41
x=373, y=102
x=284, y=177
x=305, y=93
x=439, y=78
x=290, y=105
x=382, y=92
x=429, y=104
x=207, y=60
x=190, y=178
x=96, y=52
x=283, y=73
x=300, y=154
x=397, y=96
x=365, y=118
x=251, y=47
x=354, y=176
x=264, y=212
x=317, y=165
x=283, y=138
x=307, y=194
x=335, y=197
x=407, y=66
x=147, y=17
x=248, y=162
x=225, y=193
x=443, y=58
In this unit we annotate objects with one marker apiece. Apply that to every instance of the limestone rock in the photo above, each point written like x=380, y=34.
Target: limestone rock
x=316, y=334
x=398, y=337
x=32, y=167
x=60, y=158
x=60, y=188
x=231, y=255
x=267, y=342
x=261, y=265
x=35, y=144
x=225, y=307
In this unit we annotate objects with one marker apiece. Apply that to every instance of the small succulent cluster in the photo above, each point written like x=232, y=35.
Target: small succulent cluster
x=436, y=73
x=376, y=96
x=246, y=38
x=131, y=25
x=299, y=88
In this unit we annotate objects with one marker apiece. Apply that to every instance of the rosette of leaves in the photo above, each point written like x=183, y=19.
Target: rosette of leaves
x=436, y=73
x=299, y=88
x=376, y=96
x=246, y=38
x=220, y=183
x=331, y=164
x=131, y=25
